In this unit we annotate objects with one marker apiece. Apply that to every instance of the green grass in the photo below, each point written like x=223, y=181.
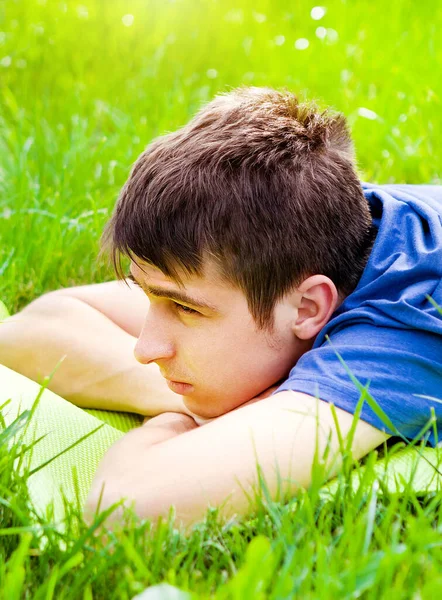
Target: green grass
x=356, y=541
x=81, y=94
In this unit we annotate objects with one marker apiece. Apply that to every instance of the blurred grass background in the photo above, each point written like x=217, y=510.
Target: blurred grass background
x=85, y=86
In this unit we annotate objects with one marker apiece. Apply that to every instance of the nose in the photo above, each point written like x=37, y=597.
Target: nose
x=154, y=343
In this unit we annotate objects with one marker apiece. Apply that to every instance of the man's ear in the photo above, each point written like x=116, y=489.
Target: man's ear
x=318, y=300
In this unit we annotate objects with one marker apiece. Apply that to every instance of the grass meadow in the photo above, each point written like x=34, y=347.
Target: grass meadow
x=84, y=86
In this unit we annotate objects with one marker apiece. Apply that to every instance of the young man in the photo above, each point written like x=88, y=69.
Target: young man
x=274, y=281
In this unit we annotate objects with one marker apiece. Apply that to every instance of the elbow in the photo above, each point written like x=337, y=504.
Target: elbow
x=106, y=506
x=104, y=503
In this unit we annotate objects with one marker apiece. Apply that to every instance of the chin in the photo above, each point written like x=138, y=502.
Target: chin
x=212, y=409
x=203, y=411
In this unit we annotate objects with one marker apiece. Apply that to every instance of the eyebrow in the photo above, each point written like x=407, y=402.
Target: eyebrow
x=175, y=295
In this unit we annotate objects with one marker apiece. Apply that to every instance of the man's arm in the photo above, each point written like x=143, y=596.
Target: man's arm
x=213, y=464
x=94, y=327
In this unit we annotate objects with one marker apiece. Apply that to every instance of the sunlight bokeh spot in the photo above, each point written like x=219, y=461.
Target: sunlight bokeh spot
x=128, y=20
x=82, y=12
x=236, y=15
x=346, y=75
x=302, y=44
x=318, y=12
x=366, y=113
x=259, y=17
x=332, y=36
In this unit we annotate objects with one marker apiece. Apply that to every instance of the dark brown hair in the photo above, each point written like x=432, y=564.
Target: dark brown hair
x=261, y=183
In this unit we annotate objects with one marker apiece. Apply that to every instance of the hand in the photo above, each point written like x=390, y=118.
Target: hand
x=154, y=430
x=176, y=423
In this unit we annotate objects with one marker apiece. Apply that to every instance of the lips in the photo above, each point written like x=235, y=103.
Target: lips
x=179, y=387
x=174, y=379
x=177, y=381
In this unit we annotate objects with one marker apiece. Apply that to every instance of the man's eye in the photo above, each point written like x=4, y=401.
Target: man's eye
x=185, y=309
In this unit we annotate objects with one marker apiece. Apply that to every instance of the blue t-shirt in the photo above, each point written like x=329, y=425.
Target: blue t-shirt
x=387, y=332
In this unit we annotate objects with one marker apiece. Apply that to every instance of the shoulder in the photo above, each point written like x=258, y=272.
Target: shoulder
x=424, y=196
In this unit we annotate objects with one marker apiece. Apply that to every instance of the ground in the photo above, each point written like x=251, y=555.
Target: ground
x=83, y=88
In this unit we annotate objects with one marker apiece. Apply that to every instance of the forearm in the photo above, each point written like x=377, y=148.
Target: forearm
x=99, y=369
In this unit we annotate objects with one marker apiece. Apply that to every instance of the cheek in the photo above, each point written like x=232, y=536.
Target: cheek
x=232, y=365
x=249, y=368
x=268, y=366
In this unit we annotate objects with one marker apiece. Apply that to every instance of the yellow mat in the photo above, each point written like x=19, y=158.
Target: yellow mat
x=61, y=424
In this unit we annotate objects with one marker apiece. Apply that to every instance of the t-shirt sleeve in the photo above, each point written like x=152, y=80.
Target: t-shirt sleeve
x=400, y=366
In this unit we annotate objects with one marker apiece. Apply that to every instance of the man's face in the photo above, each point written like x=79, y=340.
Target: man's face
x=206, y=343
